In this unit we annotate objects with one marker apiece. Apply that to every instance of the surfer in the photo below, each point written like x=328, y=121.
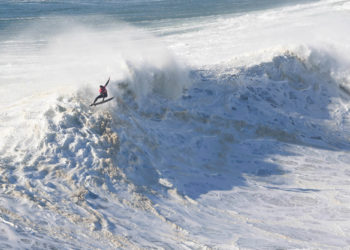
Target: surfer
x=103, y=92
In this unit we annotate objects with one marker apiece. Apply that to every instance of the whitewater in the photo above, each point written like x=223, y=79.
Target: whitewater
x=229, y=127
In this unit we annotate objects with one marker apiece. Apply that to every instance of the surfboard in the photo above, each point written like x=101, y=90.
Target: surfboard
x=98, y=103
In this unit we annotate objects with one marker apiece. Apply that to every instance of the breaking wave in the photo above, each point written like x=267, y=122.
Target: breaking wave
x=257, y=116
x=163, y=137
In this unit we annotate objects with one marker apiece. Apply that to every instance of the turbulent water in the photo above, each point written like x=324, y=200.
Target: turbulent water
x=229, y=128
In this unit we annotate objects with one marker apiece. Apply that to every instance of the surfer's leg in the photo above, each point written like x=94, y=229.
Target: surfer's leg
x=99, y=96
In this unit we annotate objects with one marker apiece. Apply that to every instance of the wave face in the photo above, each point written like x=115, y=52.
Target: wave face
x=210, y=143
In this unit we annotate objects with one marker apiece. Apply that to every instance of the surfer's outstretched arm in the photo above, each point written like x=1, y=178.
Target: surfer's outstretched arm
x=107, y=82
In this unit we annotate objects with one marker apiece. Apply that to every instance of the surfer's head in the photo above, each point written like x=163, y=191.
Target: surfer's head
x=101, y=86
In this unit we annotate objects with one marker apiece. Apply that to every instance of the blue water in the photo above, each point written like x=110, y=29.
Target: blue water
x=131, y=11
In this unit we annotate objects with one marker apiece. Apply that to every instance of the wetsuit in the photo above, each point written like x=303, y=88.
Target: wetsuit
x=103, y=92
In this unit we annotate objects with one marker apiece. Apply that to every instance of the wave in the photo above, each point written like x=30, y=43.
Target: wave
x=176, y=139
x=75, y=162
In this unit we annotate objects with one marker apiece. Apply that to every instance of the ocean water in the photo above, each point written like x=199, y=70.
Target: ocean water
x=229, y=127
